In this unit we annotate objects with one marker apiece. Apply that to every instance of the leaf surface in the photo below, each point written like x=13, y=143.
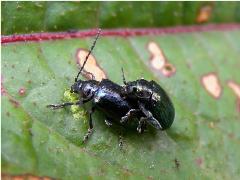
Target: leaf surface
x=203, y=141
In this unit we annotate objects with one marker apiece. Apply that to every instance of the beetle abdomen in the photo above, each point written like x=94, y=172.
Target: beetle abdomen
x=163, y=109
x=108, y=99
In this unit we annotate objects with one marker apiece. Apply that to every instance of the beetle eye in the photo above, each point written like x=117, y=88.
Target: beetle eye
x=134, y=89
x=87, y=92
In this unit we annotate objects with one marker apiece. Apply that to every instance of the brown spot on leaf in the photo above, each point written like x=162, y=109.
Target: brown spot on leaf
x=168, y=70
x=127, y=172
x=5, y=93
x=212, y=84
x=236, y=89
x=8, y=114
x=91, y=65
x=158, y=60
x=199, y=161
x=22, y=91
x=204, y=13
x=177, y=163
x=3, y=90
x=231, y=135
x=150, y=178
x=14, y=102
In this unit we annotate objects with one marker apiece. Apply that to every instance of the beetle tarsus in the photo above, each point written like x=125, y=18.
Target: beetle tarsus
x=58, y=106
x=141, y=125
x=108, y=122
x=86, y=137
x=120, y=142
x=90, y=129
x=124, y=119
x=149, y=117
x=130, y=114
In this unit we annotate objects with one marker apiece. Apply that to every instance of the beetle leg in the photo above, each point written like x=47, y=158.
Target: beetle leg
x=108, y=122
x=149, y=117
x=150, y=98
x=120, y=141
x=131, y=113
x=142, y=125
x=90, y=128
x=58, y=106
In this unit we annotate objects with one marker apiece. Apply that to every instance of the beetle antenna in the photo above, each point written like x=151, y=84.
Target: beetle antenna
x=123, y=77
x=93, y=45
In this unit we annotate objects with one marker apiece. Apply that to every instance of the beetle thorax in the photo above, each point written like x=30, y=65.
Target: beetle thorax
x=88, y=88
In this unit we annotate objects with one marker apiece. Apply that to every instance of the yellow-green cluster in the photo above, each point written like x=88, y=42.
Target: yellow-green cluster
x=78, y=112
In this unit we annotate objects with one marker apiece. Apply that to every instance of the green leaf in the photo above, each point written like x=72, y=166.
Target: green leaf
x=25, y=17
x=203, y=141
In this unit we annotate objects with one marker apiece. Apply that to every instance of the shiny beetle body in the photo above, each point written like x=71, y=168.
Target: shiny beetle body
x=104, y=96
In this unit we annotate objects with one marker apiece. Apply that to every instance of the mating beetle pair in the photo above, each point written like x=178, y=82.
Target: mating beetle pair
x=141, y=100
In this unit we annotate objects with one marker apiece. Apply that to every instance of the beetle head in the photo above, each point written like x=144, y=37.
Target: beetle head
x=85, y=89
x=76, y=87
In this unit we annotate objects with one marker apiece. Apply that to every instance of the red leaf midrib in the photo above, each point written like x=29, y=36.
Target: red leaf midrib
x=118, y=32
